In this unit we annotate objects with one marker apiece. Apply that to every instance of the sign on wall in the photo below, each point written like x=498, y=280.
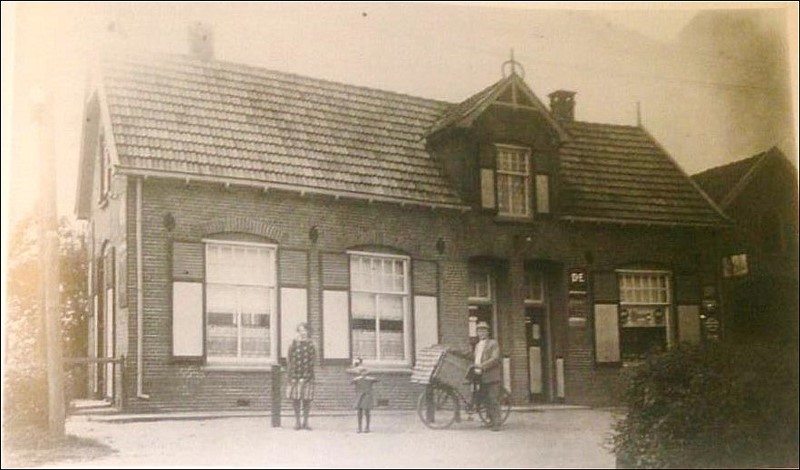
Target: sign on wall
x=578, y=281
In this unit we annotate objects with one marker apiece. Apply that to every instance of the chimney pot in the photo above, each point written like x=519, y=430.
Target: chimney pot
x=562, y=105
x=201, y=41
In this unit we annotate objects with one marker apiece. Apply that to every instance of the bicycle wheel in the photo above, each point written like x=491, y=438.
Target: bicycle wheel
x=504, y=400
x=437, y=407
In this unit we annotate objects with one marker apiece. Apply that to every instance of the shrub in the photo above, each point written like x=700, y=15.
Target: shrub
x=711, y=406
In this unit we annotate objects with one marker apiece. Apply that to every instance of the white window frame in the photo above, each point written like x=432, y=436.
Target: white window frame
x=669, y=304
x=273, y=318
x=476, y=299
x=406, y=300
x=474, y=302
x=505, y=177
x=529, y=300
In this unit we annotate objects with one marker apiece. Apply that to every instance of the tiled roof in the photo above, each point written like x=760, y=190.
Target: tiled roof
x=179, y=115
x=718, y=182
x=464, y=108
x=613, y=172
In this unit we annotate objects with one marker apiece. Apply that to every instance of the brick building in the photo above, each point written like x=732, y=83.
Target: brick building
x=759, y=254
x=227, y=203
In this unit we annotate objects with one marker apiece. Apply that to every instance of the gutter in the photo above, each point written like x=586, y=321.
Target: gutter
x=139, y=296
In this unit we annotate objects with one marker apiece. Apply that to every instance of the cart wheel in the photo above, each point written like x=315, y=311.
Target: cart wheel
x=437, y=407
x=504, y=400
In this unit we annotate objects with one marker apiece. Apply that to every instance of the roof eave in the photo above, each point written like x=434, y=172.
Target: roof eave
x=641, y=222
x=267, y=186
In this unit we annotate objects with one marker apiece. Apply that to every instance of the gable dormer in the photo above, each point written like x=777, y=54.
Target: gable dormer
x=499, y=148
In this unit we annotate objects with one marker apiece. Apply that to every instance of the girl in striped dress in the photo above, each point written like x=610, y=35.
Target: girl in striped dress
x=300, y=389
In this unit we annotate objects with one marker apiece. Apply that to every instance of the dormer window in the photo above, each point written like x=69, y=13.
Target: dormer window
x=513, y=181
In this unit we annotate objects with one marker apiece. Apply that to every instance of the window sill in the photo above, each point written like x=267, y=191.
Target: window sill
x=513, y=219
x=383, y=370
x=238, y=367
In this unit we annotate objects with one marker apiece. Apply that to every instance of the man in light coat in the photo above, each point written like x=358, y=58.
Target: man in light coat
x=488, y=369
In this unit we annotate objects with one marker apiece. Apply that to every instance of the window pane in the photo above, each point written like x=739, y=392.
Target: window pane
x=363, y=305
x=535, y=286
x=239, y=300
x=392, y=344
x=638, y=342
x=221, y=298
x=519, y=203
x=364, y=344
x=221, y=334
x=377, y=317
x=391, y=307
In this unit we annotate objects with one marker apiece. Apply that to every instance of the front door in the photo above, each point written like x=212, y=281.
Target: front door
x=537, y=347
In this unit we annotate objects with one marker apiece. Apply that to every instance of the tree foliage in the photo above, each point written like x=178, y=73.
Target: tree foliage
x=720, y=405
x=25, y=380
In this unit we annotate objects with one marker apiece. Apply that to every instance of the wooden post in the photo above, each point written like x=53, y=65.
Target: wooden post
x=48, y=242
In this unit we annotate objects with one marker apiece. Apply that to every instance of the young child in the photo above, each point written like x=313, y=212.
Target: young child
x=364, y=395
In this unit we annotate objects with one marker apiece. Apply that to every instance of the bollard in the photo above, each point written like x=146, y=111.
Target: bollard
x=276, y=396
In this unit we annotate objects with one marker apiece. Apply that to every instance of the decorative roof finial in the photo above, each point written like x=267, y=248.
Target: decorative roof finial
x=514, y=67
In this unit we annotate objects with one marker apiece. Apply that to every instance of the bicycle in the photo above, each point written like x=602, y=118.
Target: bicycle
x=440, y=404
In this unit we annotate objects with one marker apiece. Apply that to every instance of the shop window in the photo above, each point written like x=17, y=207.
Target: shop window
x=241, y=325
x=645, y=313
x=513, y=181
x=379, y=307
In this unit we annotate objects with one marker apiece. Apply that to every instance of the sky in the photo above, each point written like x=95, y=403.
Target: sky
x=446, y=51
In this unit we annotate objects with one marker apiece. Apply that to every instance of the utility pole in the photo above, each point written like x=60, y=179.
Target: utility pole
x=48, y=245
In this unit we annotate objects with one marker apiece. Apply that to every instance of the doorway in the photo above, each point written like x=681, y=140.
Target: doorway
x=537, y=348
x=537, y=337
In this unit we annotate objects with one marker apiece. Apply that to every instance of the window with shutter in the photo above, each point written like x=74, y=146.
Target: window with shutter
x=379, y=307
x=513, y=181
x=240, y=288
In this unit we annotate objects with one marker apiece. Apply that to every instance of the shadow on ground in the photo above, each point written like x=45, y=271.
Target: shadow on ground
x=31, y=448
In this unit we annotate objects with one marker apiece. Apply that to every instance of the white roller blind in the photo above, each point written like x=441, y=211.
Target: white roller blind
x=606, y=331
x=689, y=323
x=426, y=322
x=294, y=310
x=187, y=319
x=336, y=325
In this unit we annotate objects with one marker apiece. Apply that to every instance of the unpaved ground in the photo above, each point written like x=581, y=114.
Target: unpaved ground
x=553, y=438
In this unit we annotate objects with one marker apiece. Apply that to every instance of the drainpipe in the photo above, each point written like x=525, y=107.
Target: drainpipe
x=139, y=296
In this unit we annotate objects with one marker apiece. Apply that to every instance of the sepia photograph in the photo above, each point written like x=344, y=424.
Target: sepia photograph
x=400, y=234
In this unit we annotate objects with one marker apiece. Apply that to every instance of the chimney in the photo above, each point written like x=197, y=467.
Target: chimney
x=201, y=41
x=562, y=105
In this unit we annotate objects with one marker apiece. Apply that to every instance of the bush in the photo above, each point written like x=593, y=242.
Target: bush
x=713, y=406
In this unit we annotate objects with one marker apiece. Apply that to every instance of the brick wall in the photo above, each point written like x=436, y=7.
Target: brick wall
x=199, y=209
